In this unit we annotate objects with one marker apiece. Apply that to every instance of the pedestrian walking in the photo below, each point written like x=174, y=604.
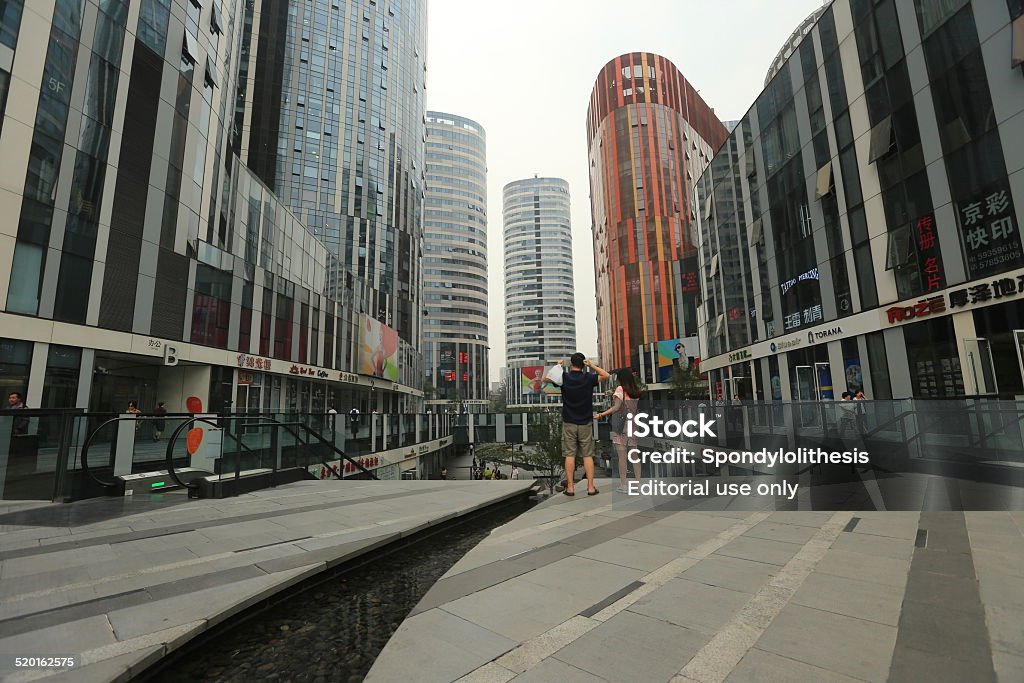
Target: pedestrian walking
x=353, y=421
x=578, y=416
x=15, y=401
x=624, y=402
x=515, y=472
x=159, y=420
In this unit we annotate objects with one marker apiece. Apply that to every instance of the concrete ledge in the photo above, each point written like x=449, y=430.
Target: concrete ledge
x=169, y=594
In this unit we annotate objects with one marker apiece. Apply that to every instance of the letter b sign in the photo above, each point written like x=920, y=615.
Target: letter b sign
x=170, y=354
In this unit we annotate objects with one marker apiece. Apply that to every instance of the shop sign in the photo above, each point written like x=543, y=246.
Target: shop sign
x=928, y=254
x=823, y=334
x=923, y=308
x=348, y=377
x=964, y=297
x=307, y=371
x=985, y=292
x=739, y=355
x=254, y=362
x=811, y=274
x=368, y=463
x=807, y=316
x=785, y=344
x=989, y=233
x=244, y=377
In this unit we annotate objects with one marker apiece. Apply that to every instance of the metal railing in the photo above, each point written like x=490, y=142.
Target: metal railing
x=65, y=455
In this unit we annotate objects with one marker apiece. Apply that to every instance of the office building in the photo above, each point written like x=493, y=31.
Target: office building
x=862, y=228
x=649, y=136
x=540, y=308
x=149, y=262
x=455, y=329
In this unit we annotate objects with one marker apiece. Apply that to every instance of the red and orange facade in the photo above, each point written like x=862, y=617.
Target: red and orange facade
x=650, y=137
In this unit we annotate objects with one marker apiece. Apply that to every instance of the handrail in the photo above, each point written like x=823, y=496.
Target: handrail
x=261, y=422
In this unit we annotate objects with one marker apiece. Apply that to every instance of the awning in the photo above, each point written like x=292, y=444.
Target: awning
x=714, y=265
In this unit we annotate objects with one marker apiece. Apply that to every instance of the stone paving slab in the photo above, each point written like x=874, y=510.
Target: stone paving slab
x=729, y=595
x=131, y=589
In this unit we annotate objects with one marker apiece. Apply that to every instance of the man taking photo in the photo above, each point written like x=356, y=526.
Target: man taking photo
x=577, y=417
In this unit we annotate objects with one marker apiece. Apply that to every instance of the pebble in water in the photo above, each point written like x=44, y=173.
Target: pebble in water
x=335, y=631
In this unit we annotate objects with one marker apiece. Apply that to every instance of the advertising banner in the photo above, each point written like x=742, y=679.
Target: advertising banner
x=531, y=378
x=675, y=354
x=378, y=350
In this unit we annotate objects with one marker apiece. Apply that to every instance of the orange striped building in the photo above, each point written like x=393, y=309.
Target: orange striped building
x=650, y=137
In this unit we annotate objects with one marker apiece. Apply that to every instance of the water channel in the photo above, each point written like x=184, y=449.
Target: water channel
x=335, y=630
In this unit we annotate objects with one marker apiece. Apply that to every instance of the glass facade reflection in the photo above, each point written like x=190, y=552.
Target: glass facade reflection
x=862, y=219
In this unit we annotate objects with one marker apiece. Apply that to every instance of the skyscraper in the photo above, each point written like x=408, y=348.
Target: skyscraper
x=148, y=262
x=455, y=342
x=330, y=116
x=650, y=136
x=540, y=311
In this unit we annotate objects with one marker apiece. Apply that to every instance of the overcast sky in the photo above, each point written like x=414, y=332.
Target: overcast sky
x=524, y=70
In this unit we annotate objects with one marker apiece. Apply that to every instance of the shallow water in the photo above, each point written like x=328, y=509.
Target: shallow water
x=334, y=631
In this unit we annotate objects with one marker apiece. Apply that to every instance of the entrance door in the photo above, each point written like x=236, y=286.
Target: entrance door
x=980, y=368
x=1018, y=343
x=823, y=381
x=806, y=393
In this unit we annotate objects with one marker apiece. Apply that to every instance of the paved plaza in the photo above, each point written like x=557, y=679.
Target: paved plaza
x=578, y=590
x=121, y=582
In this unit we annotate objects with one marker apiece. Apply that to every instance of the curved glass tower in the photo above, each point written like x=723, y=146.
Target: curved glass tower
x=540, y=311
x=334, y=125
x=455, y=342
x=650, y=136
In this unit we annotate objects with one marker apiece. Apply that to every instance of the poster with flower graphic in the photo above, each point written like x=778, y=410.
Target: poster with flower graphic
x=378, y=350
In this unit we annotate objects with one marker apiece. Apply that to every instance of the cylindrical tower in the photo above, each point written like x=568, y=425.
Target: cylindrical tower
x=455, y=342
x=540, y=311
x=650, y=136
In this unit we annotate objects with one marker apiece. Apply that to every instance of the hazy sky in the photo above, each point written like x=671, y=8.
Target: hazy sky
x=524, y=71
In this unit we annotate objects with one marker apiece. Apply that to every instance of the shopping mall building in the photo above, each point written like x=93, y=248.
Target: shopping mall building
x=220, y=200
x=860, y=229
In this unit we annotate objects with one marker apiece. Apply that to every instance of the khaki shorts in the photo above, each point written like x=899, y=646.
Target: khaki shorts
x=577, y=440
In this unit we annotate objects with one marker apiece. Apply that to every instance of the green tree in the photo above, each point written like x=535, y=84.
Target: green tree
x=546, y=453
x=499, y=403
x=689, y=385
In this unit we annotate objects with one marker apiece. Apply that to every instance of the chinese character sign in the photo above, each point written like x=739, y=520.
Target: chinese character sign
x=989, y=233
x=929, y=258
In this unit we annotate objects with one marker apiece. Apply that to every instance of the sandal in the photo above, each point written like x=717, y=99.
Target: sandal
x=569, y=493
x=593, y=493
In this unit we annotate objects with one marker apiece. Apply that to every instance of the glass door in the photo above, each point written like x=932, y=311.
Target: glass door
x=1018, y=343
x=823, y=381
x=806, y=393
x=980, y=368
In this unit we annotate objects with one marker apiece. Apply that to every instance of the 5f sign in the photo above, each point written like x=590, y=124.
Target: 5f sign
x=170, y=354
x=56, y=86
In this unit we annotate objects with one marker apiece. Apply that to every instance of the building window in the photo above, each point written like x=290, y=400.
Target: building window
x=10, y=22
x=60, y=390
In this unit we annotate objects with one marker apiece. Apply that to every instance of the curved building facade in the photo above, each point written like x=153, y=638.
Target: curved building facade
x=650, y=135
x=540, y=310
x=455, y=342
x=147, y=261
x=330, y=116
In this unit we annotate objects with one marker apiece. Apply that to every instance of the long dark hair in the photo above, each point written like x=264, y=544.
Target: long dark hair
x=628, y=383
